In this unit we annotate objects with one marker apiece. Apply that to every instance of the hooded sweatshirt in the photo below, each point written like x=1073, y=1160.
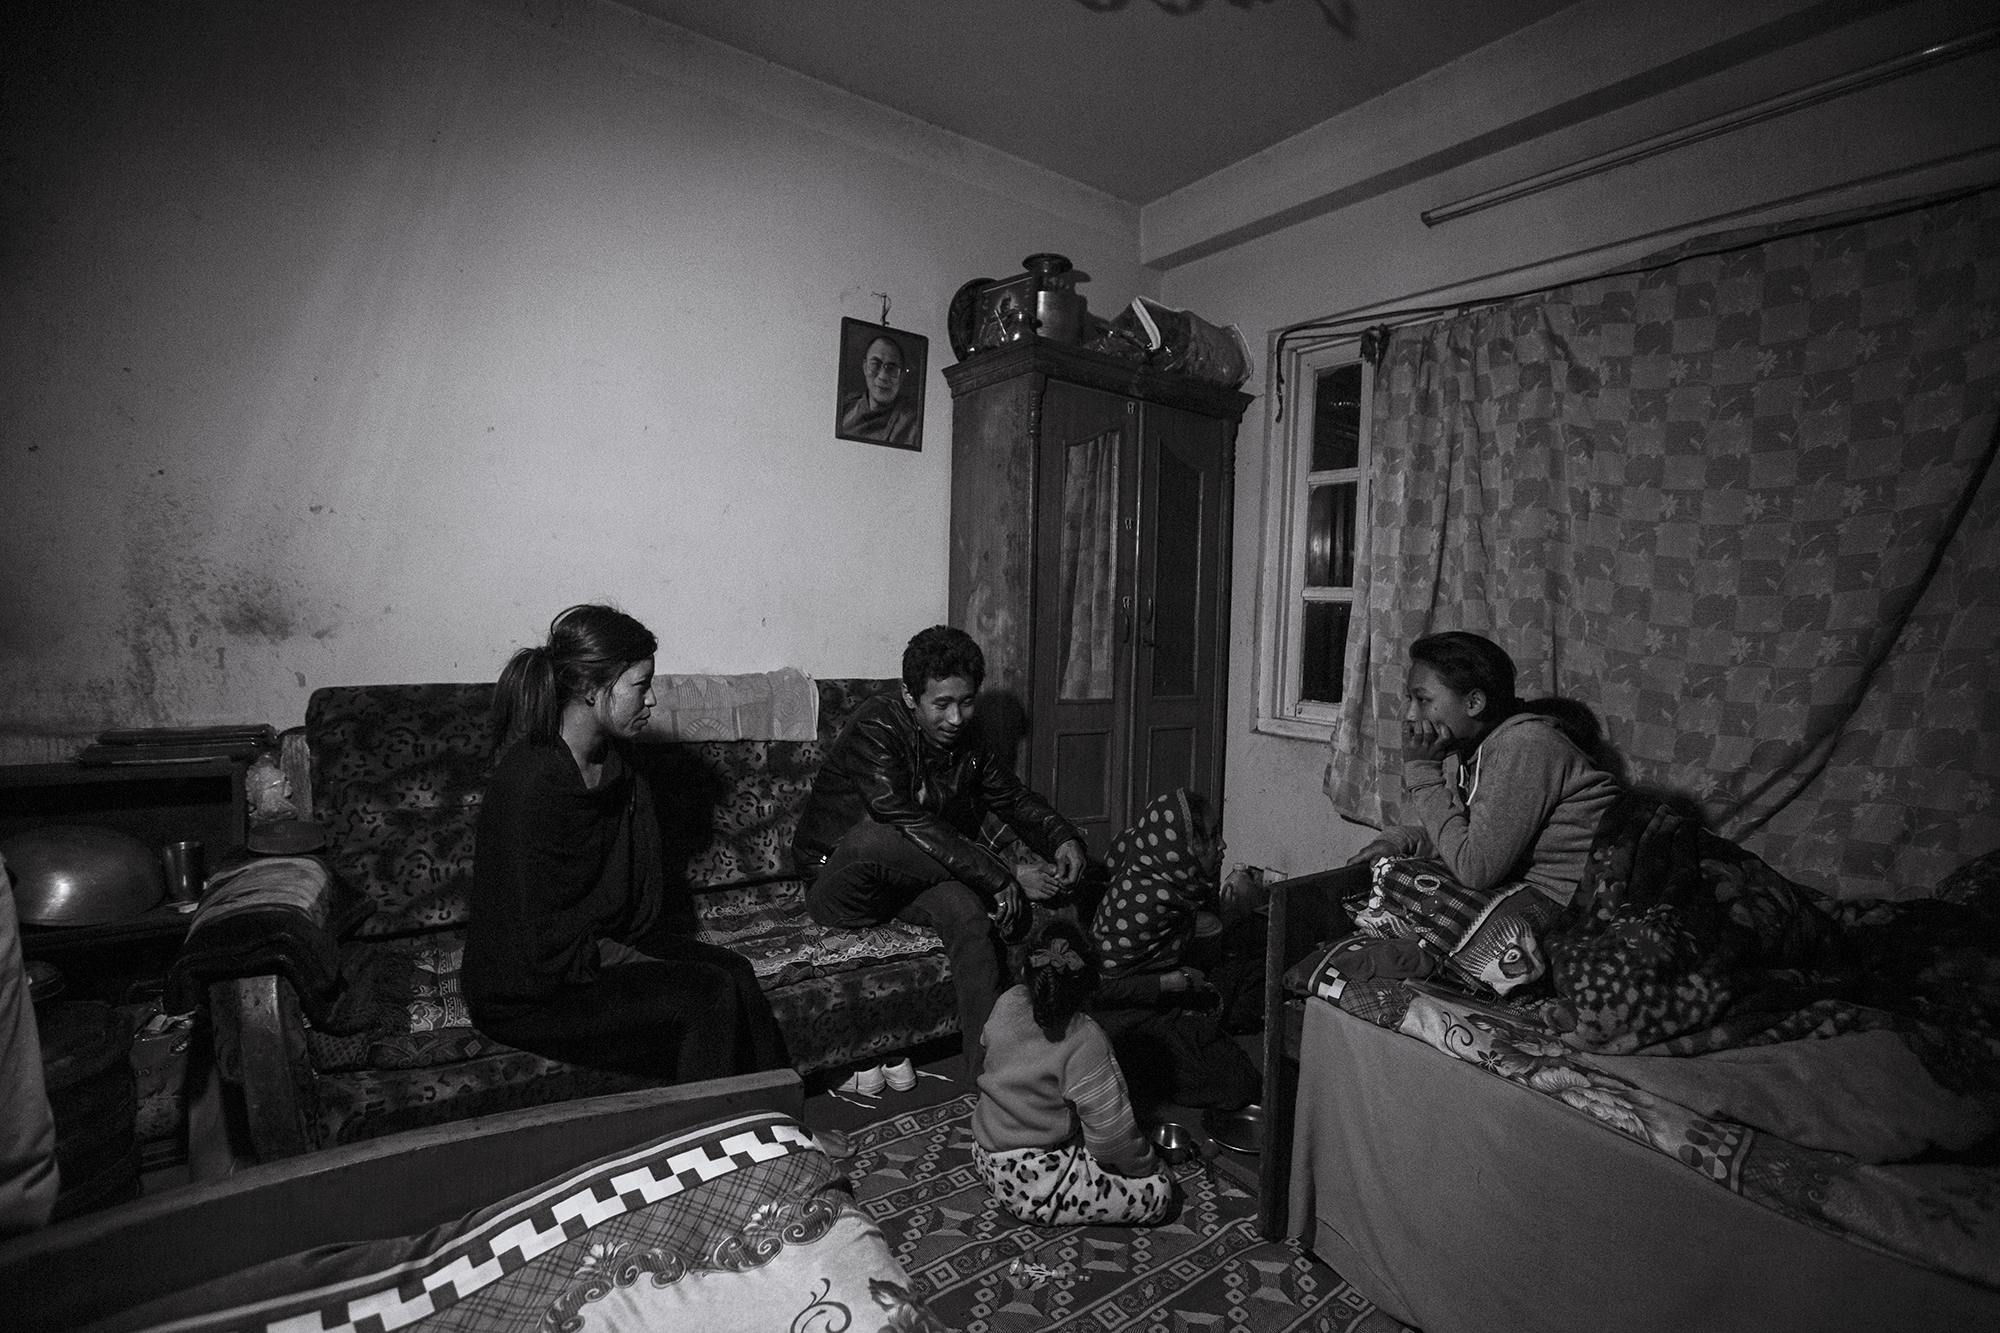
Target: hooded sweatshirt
x=1523, y=807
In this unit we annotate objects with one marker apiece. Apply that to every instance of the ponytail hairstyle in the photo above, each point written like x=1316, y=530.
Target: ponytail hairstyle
x=589, y=647
x=1060, y=974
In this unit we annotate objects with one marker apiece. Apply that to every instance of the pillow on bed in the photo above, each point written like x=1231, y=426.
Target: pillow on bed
x=740, y=1224
x=1503, y=953
x=1487, y=935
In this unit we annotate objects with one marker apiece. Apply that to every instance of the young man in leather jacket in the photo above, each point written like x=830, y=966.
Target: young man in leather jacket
x=892, y=828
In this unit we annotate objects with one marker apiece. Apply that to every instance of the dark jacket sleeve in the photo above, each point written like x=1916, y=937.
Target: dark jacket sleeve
x=889, y=787
x=1026, y=813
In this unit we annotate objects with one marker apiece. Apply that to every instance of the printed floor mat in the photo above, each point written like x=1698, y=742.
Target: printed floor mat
x=981, y=1271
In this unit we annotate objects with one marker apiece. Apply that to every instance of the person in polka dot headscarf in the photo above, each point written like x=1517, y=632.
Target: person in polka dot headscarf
x=1163, y=871
x=1158, y=1007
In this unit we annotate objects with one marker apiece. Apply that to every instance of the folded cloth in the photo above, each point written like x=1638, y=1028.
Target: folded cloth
x=281, y=914
x=1363, y=958
x=778, y=705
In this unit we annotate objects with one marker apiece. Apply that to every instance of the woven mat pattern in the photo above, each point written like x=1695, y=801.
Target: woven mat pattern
x=983, y=1272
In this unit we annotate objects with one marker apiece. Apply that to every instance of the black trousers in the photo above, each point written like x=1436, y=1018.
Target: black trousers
x=875, y=874
x=689, y=1011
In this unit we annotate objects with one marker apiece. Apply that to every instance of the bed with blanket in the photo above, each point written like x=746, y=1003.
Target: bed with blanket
x=1701, y=1096
x=701, y=1206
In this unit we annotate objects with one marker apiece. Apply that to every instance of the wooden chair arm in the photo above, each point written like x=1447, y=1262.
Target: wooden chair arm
x=259, y=1017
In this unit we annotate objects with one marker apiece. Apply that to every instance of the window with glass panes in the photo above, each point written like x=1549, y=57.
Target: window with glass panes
x=1320, y=491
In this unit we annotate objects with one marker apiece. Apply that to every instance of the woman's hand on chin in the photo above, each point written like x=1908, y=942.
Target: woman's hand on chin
x=1424, y=741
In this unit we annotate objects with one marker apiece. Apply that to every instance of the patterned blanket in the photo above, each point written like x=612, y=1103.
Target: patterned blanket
x=1680, y=942
x=741, y=1224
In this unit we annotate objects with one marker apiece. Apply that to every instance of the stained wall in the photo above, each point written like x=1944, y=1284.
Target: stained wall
x=347, y=342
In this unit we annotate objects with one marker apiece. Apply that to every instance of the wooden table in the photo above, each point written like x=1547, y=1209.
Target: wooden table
x=199, y=799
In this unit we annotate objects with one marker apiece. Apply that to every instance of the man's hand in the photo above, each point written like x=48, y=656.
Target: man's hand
x=1039, y=884
x=1011, y=906
x=1375, y=850
x=1069, y=863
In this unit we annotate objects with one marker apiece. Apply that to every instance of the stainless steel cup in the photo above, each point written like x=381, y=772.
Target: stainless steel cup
x=187, y=870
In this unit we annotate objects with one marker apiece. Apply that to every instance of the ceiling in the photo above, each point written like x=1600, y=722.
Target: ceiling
x=1134, y=97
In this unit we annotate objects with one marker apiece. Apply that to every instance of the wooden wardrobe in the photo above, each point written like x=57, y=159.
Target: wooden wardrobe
x=1090, y=552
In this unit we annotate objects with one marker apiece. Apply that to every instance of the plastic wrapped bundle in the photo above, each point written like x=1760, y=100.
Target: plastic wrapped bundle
x=1181, y=341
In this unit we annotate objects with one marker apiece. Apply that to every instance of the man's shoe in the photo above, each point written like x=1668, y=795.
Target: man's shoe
x=902, y=1076
x=867, y=1082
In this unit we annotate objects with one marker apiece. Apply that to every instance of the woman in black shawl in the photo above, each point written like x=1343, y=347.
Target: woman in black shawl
x=576, y=949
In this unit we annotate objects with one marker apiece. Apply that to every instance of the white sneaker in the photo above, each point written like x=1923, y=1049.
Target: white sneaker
x=867, y=1082
x=901, y=1076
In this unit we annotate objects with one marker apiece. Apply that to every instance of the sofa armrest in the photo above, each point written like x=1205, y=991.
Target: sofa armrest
x=261, y=1050
x=1304, y=910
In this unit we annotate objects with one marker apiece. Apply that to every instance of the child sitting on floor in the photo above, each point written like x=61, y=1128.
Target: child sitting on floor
x=1056, y=1140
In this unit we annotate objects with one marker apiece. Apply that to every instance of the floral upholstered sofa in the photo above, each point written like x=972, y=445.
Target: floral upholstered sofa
x=397, y=776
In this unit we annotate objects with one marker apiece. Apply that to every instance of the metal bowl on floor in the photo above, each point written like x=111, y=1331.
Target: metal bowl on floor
x=81, y=875
x=1239, y=1131
x=1176, y=1143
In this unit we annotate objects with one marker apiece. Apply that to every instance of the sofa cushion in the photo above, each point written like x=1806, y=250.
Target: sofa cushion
x=727, y=808
x=767, y=923
x=417, y=980
x=416, y=988
x=398, y=771
x=367, y=1103
x=829, y=1021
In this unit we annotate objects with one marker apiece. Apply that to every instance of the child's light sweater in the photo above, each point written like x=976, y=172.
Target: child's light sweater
x=1031, y=1084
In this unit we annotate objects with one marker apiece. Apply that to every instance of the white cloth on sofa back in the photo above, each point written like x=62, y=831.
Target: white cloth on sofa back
x=780, y=705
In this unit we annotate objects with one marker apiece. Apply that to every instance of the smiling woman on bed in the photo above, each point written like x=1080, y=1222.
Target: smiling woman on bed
x=1500, y=792
x=574, y=950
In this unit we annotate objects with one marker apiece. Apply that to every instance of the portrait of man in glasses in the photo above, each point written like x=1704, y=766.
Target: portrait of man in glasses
x=881, y=386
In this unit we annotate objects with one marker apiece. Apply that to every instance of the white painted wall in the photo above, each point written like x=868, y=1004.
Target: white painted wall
x=1375, y=251
x=348, y=342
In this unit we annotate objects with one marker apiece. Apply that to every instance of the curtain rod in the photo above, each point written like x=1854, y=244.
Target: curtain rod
x=1378, y=322
x=1727, y=123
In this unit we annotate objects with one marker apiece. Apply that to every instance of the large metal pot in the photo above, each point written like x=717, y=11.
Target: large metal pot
x=81, y=875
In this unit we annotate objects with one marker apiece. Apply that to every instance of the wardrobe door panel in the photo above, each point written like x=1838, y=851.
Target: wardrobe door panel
x=1182, y=588
x=1085, y=481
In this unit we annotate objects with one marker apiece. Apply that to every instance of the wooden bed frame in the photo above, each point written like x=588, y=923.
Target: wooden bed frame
x=94, y=1266
x=1304, y=911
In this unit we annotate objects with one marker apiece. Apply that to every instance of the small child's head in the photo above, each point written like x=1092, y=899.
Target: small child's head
x=1060, y=973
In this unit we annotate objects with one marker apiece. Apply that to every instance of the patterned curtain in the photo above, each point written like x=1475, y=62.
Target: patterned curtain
x=1089, y=571
x=1740, y=505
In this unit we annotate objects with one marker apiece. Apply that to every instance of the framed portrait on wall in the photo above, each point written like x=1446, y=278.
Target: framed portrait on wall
x=881, y=394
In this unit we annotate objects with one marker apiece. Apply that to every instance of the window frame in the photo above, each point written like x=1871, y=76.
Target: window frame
x=1282, y=594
